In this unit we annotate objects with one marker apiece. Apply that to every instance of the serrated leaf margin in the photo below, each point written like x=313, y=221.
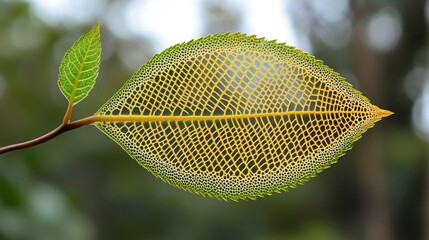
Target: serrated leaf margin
x=80, y=66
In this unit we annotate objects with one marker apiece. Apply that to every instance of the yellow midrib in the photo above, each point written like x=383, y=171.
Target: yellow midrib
x=171, y=118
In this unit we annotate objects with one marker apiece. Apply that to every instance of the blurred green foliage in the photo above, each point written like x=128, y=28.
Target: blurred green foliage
x=81, y=185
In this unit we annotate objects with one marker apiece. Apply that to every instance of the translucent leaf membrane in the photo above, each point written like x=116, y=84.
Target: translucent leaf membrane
x=234, y=117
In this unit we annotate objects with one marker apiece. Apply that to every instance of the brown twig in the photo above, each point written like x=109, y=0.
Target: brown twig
x=64, y=127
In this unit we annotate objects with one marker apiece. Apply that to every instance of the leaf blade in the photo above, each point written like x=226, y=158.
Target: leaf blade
x=235, y=117
x=80, y=66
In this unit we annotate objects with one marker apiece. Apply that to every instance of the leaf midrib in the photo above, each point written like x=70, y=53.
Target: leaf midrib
x=77, y=77
x=172, y=118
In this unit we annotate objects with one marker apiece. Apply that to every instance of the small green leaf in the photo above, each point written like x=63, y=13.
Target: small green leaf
x=80, y=65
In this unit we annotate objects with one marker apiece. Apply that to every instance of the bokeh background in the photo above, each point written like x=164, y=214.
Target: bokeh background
x=81, y=185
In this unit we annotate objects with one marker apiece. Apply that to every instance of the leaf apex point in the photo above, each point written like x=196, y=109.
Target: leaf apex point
x=384, y=113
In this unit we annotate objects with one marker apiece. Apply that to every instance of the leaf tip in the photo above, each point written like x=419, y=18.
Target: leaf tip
x=96, y=27
x=383, y=113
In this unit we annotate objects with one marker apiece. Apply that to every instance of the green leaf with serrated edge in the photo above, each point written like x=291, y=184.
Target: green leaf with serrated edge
x=236, y=117
x=80, y=65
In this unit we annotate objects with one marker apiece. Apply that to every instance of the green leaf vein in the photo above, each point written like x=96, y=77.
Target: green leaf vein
x=80, y=66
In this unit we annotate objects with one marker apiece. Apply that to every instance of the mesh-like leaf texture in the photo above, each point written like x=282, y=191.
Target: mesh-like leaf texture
x=234, y=116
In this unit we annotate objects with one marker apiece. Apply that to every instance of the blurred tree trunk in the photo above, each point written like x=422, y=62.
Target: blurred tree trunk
x=426, y=190
x=426, y=201
x=368, y=67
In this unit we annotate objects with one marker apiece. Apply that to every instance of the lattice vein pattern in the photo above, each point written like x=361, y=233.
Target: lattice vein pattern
x=234, y=116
